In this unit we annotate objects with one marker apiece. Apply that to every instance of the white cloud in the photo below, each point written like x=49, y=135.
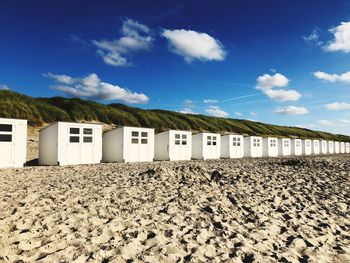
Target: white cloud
x=189, y=106
x=313, y=38
x=194, y=45
x=216, y=111
x=93, y=88
x=63, y=79
x=345, y=77
x=239, y=114
x=267, y=84
x=4, y=87
x=210, y=101
x=187, y=111
x=282, y=95
x=338, y=106
x=253, y=113
x=327, y=123
x=189, y=103
x=341, y=41
x=135, y=38
x=334, y=123
x=291, y=110
x=267, y=81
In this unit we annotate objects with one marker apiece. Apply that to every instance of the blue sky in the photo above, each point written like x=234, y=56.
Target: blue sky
x=280, y=62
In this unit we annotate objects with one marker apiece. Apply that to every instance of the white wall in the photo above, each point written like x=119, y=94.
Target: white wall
x=232, y=146
x=161, y=146
x=347, y=147
x=253, y=146
x=296, y=147
x=284, y=146
x=270, y=147
x=48, y=153
x=336, y=147
x=324, y=147
x=13, y=141
x=330, y=148
x=315, y=146
x=69, y=143
x=342, y=147
x=113, y=145
x=307, y=147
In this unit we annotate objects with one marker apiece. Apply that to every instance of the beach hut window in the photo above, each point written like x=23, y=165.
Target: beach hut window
x=208, y=142
x=134, y=140
x=5, y=138
x=87, y=131
x=74, y=131
x=144, y=134
x=135, y=134
x=273, y=143
x=144, y=141
x=236, y=141
x=286, y=143
x=177, y=136
x=74, y=139
x=184, y=142
x=5, y=128
x=184, y=136
x=297, y=143
x=87, y=139
x=177, y=142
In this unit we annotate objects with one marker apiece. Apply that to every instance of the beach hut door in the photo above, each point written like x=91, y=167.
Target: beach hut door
x=74, y=145
x=177, y=149
x=87, y=145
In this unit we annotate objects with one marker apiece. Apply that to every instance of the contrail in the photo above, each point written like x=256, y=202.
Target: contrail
x=242, y=97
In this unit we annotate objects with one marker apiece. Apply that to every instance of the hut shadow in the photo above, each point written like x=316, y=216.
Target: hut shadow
x=33, y=162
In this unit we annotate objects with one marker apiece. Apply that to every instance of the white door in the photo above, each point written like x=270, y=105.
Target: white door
x=87, y=145
x=176, y=151
x=7, y=149
x=184, y=147
x=135, y=146
x=73, y=145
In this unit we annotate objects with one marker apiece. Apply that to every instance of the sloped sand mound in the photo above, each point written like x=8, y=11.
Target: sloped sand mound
x=250, y=210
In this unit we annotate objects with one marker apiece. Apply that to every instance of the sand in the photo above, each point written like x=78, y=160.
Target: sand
x=249, y=210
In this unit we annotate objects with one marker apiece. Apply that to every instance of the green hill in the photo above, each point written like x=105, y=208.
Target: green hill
x=46, y=110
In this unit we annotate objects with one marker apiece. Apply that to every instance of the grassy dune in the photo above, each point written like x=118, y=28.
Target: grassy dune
x=47, y=110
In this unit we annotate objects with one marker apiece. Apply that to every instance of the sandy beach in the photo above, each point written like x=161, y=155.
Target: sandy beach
x=249, y=210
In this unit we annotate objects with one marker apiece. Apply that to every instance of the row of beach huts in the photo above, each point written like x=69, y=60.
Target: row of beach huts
x=68, y=143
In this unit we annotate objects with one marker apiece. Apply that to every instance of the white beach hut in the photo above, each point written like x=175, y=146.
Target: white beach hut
x=315, y=146
x=232, y=146
x=330, y=147
x=13, y=141
x=173, y=145
x=206, y=145
x=347, y=147
x=284, y=146
x=324, y=147
x=68, y=143
x=336, y=147
x=253, y=146
x=128, y=144
x=296, y=147
x=342, y=147
x=307, y=148
x=270, y=147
